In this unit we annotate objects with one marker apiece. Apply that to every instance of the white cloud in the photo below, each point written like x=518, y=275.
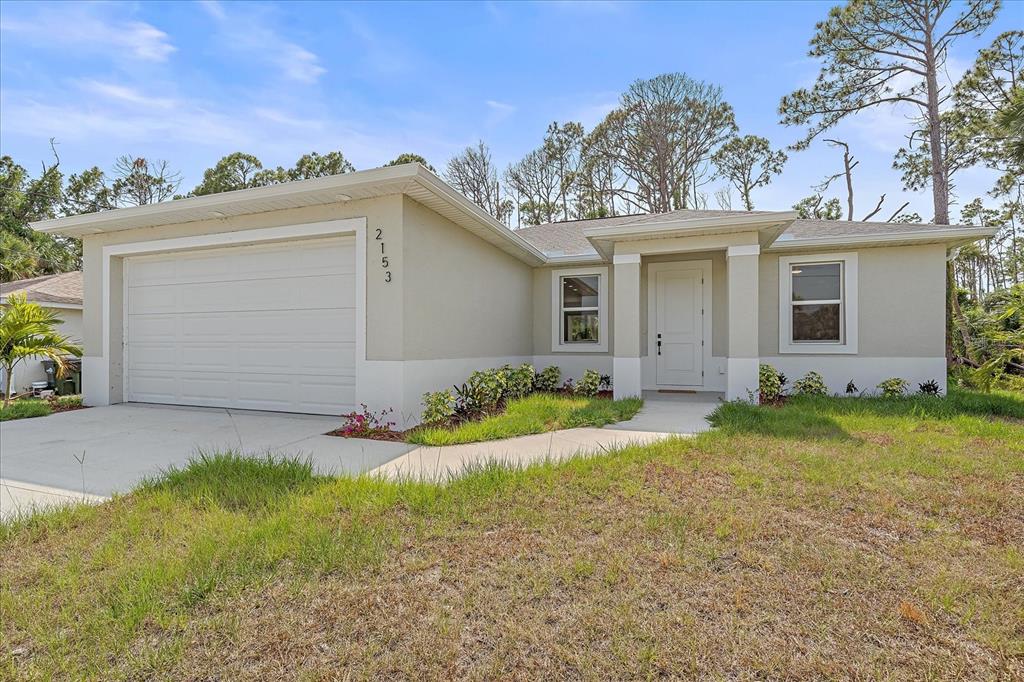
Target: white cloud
x=498, y=111
x=81, y=26
x=124, y=93
x=248, y=32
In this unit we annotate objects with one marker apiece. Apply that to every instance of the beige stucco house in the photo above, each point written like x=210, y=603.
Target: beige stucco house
x=374, y=287
x=60, y=293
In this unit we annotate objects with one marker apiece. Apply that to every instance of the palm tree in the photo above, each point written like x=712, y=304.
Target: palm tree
x=29, y=330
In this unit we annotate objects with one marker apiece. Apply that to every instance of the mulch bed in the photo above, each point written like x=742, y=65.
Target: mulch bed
x=393, y=436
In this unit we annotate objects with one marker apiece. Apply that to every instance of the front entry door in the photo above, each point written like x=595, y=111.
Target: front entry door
x=680, y=328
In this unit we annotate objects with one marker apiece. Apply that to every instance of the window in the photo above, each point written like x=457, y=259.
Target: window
x=581, y=315
x=817, y=300
x=817, y=304
x=579, y=303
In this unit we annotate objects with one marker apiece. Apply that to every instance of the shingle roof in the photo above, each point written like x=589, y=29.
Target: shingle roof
x=566, y=238
x=64, y=288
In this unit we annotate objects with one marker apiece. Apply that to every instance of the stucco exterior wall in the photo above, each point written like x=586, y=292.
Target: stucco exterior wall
x=900, y=320
x=463, y=297
x=901, y=302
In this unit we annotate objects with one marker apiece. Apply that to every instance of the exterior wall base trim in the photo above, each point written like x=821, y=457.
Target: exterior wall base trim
x=627, y=379
x=741, y=378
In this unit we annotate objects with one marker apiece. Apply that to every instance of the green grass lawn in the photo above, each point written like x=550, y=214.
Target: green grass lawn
x=830, y=538
x=535, y=413
x=24, y=408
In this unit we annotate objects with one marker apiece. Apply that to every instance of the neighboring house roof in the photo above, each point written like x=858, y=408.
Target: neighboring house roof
x=64, y=289
x=574, y=237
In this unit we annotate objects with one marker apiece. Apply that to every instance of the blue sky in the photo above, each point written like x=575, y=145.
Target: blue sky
x=191, y=82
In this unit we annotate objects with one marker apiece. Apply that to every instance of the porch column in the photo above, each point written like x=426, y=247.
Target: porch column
x=626, y=302
x=743, y=359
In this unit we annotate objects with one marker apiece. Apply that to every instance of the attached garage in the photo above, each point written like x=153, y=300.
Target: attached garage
x=262, y=327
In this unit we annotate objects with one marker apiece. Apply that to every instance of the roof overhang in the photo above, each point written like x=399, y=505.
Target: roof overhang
x=410, y=179
x=768, y=225
x=952, y=237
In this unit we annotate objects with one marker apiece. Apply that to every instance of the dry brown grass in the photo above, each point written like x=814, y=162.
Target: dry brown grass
x=893, y=552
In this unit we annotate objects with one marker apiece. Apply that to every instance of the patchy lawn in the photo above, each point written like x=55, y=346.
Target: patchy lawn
x=24, y=408
x=536, y=413
x=826, y=539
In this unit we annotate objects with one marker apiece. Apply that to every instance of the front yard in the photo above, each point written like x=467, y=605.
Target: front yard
x=867, y=539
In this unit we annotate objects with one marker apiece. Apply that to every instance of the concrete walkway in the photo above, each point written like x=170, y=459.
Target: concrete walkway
x=121, y=445
x=662, y=416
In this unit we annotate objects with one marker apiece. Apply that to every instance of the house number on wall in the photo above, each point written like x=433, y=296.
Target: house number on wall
x=384, y=263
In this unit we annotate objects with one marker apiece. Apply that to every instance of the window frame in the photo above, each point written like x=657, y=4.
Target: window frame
x=847, y=304
x=558, y=345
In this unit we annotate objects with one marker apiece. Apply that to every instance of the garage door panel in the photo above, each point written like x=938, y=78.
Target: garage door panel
x=155, y=328
x=280, y=293
x=270, y=328
x=153, y=356
x=246, y=263
x=152, y=300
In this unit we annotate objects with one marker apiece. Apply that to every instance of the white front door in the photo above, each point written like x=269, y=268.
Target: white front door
x=268, y=327
x=680, y=328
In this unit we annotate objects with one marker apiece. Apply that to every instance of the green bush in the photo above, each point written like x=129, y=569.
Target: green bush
x=589, y=384
x=810, y=384
x=520, y=381
x=893, y=388
x=769, y=384
x=482, y=392
x=438, y=408
x=547, y=379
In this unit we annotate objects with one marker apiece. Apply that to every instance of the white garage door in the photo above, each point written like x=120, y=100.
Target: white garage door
x=269, y=327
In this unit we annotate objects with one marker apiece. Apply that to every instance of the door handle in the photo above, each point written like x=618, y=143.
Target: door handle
x=659, y=344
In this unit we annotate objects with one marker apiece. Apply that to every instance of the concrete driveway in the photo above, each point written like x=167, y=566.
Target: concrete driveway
x=123, y=444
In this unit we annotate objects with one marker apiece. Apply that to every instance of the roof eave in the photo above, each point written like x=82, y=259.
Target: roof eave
x=319, y=191
x=769, y=225
x=952, y=238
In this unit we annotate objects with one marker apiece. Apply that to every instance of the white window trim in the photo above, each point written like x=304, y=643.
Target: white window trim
x=849, y=306
x=557, y=346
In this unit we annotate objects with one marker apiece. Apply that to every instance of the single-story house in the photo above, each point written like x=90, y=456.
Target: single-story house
x=63, y=295
x=376, y=286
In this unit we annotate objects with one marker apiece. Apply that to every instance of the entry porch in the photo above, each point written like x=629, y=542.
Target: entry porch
x=686, y=304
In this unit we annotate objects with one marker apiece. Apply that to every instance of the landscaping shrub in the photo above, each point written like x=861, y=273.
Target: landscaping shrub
x=769, y=384
x=810, y=384
x=520, y=381
x=606, y=382
x=482, y=393
x=893, y=388
x=851, y=388
x=547, y=379
x=930, y=387
x=366, y=424
x=438, y=408
x=589, y=384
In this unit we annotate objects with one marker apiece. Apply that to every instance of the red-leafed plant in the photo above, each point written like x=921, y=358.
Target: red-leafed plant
x=366, y=423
